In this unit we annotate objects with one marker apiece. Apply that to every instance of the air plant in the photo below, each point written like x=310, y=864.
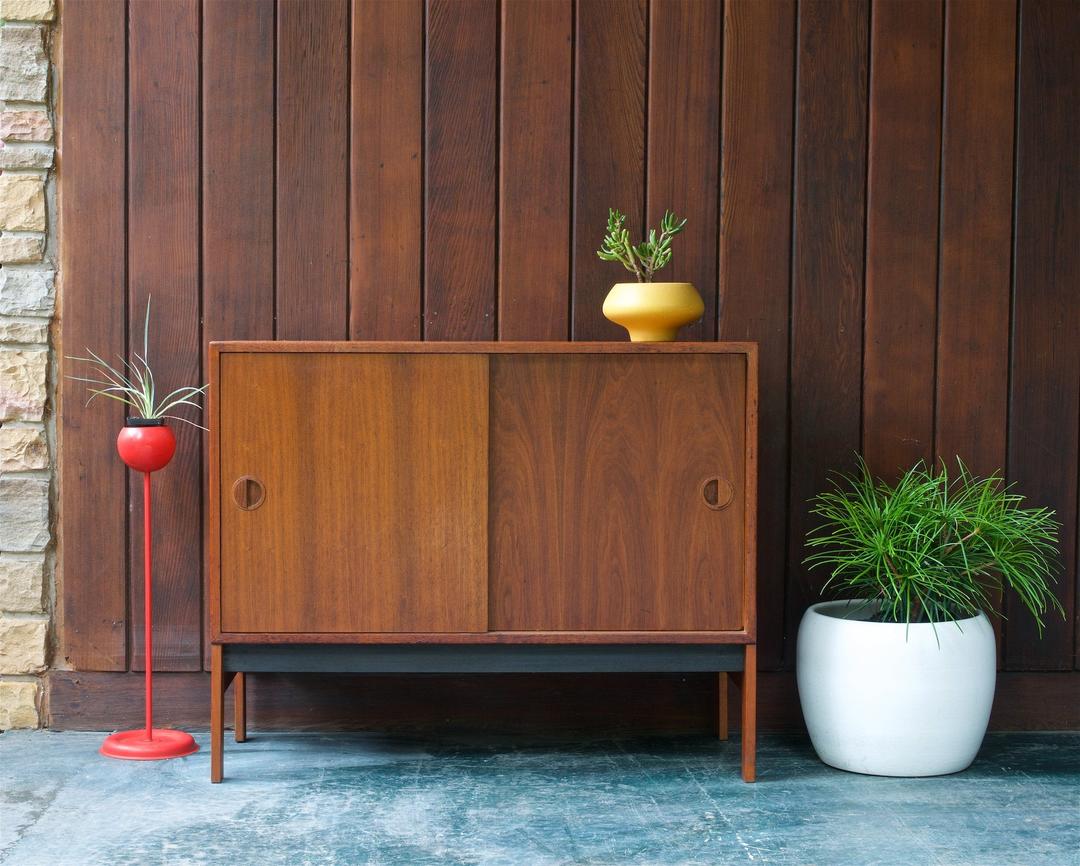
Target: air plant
x=648, y=257
x=133, y=384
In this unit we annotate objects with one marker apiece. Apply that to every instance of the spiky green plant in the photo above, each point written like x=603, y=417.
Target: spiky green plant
x=133, y=384
x=648, y=257
x=933, y=548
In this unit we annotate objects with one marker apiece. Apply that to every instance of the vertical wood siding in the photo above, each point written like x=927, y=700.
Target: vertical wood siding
x=1045, y=355
x=901, y=233
x=534, y=170
x=825, y=395
x=387, y=165
x=883, y=194
x=94, y=268
x=164, y=258
x=461, y=169
x=312, y=170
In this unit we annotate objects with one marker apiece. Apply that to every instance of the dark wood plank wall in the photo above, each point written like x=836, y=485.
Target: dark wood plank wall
x=883, y=194
x=386, y=182
x=827, y=267
x=1045, y=356
x=95, y=608
x=164, y=258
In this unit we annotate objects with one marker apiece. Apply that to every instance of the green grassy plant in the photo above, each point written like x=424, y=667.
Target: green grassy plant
x=133, y=384
x=934, y=548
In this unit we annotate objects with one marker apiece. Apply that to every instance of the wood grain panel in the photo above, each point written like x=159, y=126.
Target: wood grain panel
x=1043, y=411
x=534, y=169
x=238, y=169
x=976, y=234
x=408, y=495
x=163, y=262
x=386, y=162
x=827, y=290
x=685, y=39
x=902, y=234
x=237, y=183
x=598, y=518
x=755, y=262
x=312, y=170
x=461, y=172
x=93, y=484
x=609, y=149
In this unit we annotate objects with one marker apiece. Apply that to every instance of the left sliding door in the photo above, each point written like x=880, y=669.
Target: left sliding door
x=353, y=492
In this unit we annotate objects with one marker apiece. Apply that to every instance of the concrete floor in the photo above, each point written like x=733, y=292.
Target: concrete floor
x=352, y=799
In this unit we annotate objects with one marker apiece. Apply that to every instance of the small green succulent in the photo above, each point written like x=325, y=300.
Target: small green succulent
x=648, y=257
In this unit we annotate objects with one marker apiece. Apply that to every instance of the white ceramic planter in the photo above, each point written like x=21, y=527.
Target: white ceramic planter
x=891, y=699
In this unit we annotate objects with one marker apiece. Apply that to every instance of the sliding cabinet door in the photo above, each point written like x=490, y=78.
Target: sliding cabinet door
x=353, y=492
x=617, y=492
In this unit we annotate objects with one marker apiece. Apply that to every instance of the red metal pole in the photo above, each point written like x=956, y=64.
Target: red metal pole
x=146, y=448
x=148, y=598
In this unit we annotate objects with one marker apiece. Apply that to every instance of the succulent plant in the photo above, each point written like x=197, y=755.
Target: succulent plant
x=648, y=257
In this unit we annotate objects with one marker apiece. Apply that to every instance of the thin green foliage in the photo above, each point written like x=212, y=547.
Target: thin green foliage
x=933, y=548
x=648, y=257
x=133, y=383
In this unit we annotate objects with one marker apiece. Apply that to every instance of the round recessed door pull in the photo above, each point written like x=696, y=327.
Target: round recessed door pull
x=717, y=493
x=248, y=492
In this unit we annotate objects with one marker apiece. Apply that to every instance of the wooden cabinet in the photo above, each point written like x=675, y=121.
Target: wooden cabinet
x=391, y=495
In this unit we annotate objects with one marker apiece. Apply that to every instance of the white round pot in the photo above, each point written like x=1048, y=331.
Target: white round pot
x=892, y=699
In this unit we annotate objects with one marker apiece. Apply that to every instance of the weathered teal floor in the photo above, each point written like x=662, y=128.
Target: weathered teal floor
x=352, y=799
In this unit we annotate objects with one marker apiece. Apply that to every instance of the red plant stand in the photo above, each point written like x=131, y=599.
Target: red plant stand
x=146, y=447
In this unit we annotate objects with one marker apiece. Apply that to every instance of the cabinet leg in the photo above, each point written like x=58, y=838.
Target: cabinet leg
x=217, y=715
x=749, y=715
x=240, y=708
x=722, y=725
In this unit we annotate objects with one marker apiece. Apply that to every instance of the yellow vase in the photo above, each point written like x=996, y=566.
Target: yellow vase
x=653, y=312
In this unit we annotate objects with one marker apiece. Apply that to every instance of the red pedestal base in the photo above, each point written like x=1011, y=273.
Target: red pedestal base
x=134, y=746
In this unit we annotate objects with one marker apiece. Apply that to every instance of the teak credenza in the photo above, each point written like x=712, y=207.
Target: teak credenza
x=482, y=507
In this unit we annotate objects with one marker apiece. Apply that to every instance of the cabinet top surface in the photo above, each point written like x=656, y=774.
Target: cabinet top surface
x=483, y=347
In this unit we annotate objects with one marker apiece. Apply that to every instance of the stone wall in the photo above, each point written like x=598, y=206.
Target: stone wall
x=27, y=296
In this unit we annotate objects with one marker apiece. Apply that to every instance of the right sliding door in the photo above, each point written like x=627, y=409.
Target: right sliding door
x=617, y=497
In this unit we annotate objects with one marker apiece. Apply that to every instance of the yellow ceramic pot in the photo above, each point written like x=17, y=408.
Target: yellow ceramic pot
x=653, y=312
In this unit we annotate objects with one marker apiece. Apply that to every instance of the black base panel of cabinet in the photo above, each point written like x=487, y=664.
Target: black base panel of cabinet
x=481, y=659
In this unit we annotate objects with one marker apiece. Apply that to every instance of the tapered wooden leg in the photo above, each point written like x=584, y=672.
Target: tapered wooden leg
x=240, y=708
x=749, y=715
x=722, y=726
x=217, y=715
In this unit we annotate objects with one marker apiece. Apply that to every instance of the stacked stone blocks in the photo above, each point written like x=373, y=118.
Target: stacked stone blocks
x=27, y=299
